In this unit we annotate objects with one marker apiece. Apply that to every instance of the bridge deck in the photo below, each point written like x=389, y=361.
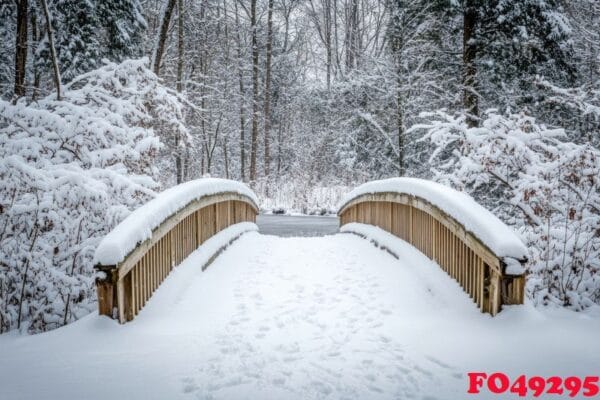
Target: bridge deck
x=330, y=317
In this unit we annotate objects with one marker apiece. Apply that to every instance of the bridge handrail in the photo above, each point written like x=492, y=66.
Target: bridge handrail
x=485, y=257
x=139, y=225
x=141, y=251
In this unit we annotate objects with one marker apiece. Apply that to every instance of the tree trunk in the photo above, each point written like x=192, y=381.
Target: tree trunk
x=241, y=84
x=400, y=122
x=162, y=38
x=328, y=41
x=352, y=36
x=254, y=144
x=57, y=82
x=36, y=38
x=21, y=49
x=226, y=158
x=470, y=99
x=180, y=45
x=26, y=273
x=179, y=159
x=267, y=110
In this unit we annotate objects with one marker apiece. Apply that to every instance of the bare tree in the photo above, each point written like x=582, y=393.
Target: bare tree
x=241, y=88
x=267, y=110
x=162, y=38
x=49, y=30
x=180, y=158
x=470, y=98
x=254, y=138
x=21, y=49
x=323, y=25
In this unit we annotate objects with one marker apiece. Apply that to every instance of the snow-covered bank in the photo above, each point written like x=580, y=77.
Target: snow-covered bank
x=138, y=225
x=298, y=318
x=501, y=239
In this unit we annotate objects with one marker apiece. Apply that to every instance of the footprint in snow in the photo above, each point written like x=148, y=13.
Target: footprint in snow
x=189, y=385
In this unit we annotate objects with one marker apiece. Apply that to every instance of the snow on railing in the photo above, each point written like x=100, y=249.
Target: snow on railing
x=138, y=226
x=470, y=243
x=484, y=225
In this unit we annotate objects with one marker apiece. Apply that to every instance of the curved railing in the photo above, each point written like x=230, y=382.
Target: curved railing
x=485, y=257
x=142, y=250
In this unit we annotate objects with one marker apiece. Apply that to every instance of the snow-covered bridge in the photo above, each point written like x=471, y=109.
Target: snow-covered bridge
x=329, y=317
x=466, y=240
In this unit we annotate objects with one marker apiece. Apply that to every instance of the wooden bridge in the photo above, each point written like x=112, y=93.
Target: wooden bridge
x=130, y=279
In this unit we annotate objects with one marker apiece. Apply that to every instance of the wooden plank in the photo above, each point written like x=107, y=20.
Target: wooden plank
x=481, y=284
x=139, y=301
x=434, y=240
x=121, y=300
x=144, y=283
x=469, y=272
x=155, y=276
x=495, y=293
x=134, y=283
x=106, y=292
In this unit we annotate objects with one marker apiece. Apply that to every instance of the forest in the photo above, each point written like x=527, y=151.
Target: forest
x=104, y=103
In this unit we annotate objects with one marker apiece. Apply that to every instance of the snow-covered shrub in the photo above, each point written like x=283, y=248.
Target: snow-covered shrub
x=299, y=196
x=577, y=109
x=537, y=181
x=69, y=171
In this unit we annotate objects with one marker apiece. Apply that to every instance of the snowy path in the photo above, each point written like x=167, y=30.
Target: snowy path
x=298, y=318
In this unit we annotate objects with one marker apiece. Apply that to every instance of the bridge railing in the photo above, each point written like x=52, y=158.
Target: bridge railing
x=133, y=272
x=488, y=276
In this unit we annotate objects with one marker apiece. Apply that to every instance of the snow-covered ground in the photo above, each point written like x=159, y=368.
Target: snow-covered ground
x=299, y=318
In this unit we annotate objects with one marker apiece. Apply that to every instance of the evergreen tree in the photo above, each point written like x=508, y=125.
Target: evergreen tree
x=77, y=40
x=505, y=43
x=518, y=40
x=7, y=47
x=124, y=24
x=89, y=31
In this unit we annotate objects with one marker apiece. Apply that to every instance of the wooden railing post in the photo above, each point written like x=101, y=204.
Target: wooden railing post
x=107, y=292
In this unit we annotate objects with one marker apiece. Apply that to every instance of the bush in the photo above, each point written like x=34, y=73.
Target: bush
x=537, y=181
x=70, y=170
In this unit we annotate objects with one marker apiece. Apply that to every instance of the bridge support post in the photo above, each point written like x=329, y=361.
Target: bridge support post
x=106, y=292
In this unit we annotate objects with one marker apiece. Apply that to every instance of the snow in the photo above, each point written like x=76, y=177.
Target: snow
x=513, y=267
x=500, y=239
x=377, y=236
x=138, y=226
x=299, y=318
